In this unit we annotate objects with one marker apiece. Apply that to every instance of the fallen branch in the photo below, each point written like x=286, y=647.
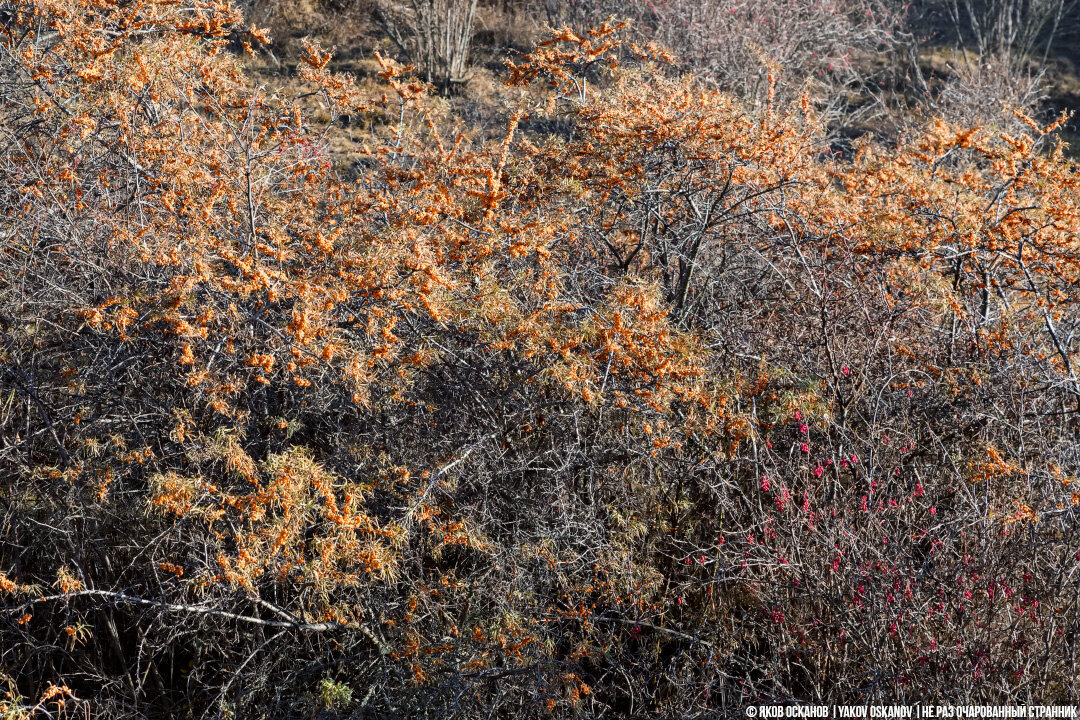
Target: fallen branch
x=290, y=621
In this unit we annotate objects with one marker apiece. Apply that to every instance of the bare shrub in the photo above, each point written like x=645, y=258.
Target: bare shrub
x=985, y=90
x=1022, y=28
x=433, y=34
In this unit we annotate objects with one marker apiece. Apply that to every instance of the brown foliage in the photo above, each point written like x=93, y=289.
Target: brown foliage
x=650, y=407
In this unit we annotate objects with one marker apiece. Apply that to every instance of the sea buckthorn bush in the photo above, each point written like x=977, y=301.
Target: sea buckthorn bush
x=652, y=406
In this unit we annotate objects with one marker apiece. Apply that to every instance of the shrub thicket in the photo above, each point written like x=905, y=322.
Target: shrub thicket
x=652, y=408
